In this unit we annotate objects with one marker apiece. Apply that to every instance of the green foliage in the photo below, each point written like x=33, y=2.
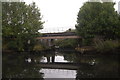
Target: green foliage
x=86, y=42
x=66, y=43
x=98, y=19
x=108, y=45
x=20, y=25
x=38, y=47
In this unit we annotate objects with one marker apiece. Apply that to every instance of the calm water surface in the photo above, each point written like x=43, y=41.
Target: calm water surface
x=57, y=64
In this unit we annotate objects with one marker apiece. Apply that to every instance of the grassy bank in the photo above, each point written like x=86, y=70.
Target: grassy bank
x=100, y=46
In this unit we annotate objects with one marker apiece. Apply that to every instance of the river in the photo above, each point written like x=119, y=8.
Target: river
x=59, y=64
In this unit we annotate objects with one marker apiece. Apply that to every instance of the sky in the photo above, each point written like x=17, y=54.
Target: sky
x=59, y=15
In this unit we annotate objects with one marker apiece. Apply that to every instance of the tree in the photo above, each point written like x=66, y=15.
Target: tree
x=21, y=23
x=98, y=19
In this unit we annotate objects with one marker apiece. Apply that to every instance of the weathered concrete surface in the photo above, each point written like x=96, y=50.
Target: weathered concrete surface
x=59, y=37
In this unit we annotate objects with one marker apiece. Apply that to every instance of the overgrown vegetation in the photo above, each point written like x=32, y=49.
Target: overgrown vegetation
x=38, y=47
x=107, y=46
x=66, y=43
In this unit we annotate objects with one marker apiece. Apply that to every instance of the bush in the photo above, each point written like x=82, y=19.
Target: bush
x=108, y=45
x=87, y=42
x=68, y=43
x=38, y=47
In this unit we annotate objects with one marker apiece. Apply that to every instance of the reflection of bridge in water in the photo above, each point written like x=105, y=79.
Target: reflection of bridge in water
x=60, y=69
x=62, y=65
x=59, y=73
x=54, y=61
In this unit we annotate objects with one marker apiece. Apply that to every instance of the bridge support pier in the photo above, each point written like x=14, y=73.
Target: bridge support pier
x=51, y=59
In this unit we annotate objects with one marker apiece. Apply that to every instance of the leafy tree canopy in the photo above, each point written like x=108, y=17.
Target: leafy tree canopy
x=98, y=19
x=20, y=24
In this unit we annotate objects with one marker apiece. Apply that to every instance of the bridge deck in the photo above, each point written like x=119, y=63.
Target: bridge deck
x=59, y=37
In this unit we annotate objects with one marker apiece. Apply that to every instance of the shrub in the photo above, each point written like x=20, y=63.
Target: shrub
x=38, y=47
x=68, y=43
x=108, y=45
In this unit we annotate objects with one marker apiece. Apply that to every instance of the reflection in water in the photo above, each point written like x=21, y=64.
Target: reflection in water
x=16, y=65
x=58, y=73
x=60, y=59
x=100, y=67
x=53, y=59
x=28, y=60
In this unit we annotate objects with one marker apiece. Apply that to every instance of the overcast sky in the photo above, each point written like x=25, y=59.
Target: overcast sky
x=59, y=15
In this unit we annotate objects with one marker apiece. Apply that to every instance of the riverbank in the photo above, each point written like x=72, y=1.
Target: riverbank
x=81, y=50
x=93, y=50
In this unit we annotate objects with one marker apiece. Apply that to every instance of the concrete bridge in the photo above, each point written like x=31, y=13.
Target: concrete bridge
x=48, y=38
x=64, y=35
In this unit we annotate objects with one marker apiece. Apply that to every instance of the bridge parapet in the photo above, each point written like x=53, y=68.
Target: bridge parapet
x=59, y=34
